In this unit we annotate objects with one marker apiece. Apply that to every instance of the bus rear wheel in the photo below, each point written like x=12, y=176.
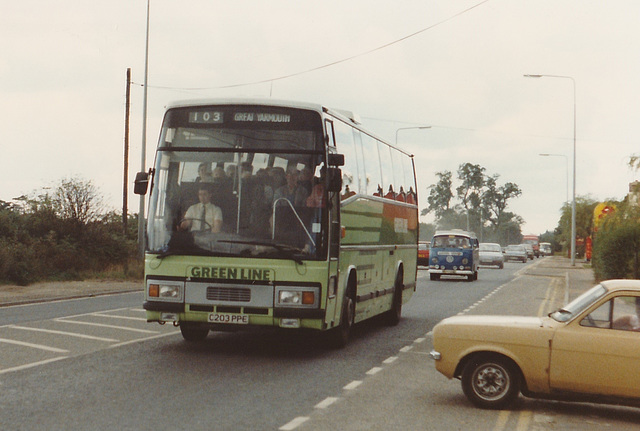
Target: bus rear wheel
x=393, y=316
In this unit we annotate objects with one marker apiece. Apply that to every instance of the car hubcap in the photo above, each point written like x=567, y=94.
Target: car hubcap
x=491, y=382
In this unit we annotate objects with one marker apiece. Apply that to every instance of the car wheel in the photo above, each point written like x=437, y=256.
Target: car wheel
x=434, y=277
x=501, y=266
x=193, y=333
x=490, y=382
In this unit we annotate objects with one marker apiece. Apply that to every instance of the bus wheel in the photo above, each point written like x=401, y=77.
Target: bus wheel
x=393, y=316
x=193, y=333
x=339, y=337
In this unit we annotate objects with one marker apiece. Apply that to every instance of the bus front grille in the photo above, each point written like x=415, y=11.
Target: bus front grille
x=232, y=294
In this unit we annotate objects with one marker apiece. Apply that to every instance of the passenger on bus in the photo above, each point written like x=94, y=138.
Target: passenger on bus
x=204, y=215
x=305, y=179
x=204, y=173
x=254, y=208
x=292, y=191
x=317, y=198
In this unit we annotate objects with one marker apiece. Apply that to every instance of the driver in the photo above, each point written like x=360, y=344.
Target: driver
x=203, y=216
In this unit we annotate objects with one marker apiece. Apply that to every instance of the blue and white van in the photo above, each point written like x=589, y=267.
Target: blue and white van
x=454, y=252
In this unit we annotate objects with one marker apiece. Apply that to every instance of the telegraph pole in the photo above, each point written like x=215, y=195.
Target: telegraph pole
x=125, y=182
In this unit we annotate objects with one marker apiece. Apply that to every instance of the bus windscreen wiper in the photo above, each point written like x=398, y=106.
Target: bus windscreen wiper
x=287, y=250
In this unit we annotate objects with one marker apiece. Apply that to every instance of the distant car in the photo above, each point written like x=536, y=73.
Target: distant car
x=515, y=252
x=491, y=255
x=545, y=249
x=423, y=253
x=530, y=252
x=585, y=351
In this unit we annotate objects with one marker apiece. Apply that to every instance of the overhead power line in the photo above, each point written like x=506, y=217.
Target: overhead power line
x=324, y=66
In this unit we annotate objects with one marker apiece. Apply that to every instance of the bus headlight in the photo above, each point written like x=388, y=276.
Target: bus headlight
x=162, y=290
x=297, y=297
x=465, y=261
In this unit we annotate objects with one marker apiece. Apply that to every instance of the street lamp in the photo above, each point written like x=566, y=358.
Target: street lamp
x=407, y=128
x=143, y=162
x=573, y=202
x=566, y=165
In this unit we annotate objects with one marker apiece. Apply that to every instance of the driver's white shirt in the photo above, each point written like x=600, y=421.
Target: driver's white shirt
x=211, y=214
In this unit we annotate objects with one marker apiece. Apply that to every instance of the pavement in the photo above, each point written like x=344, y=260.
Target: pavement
x=57, y=290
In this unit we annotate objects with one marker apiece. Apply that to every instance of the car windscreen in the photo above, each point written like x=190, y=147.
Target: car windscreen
x=576, y=306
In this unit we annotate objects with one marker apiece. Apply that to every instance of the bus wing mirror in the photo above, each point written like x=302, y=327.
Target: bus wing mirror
x=336, y=160
x=141, y=183
x=334, y=179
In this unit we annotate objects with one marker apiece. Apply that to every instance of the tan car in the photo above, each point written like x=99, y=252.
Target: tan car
x=588, y=350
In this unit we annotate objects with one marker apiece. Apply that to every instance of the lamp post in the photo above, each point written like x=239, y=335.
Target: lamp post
x=573, y=202
x=407, y=128
x=566, y=166
x=143, y=162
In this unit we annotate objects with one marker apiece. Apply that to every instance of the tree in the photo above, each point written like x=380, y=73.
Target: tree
x=495, y=199
x=584, y=221
x=440, y=195
x=481, y=200
x=469, y=192
x=77, y=200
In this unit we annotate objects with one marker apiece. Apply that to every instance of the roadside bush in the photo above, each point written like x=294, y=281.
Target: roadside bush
x=616, y=251
x=41, y=239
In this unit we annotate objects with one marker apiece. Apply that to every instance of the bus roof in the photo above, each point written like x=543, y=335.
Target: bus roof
x=346, y=116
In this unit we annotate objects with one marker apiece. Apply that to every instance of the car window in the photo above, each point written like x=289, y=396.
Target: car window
x=620, y=313
x=626, y=313
x=579, y=304
x=600, y=317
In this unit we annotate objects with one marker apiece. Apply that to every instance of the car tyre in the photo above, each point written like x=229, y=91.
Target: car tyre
x=491, y=382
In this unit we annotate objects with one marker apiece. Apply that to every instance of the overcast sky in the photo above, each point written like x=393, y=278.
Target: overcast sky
x=63, y=67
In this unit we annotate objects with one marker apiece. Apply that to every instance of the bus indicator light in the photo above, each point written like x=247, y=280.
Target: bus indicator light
x=308, y=298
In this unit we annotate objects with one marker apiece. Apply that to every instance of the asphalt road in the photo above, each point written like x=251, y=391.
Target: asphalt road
x=118, y=372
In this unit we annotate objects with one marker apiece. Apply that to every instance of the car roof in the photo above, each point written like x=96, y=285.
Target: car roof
x=621, y=284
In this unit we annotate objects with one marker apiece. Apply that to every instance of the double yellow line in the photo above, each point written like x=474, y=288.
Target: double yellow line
x=547, y=305
x=524, y=419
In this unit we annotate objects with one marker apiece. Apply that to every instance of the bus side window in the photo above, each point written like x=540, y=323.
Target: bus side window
x=373, y=179
x=350, y=173
x=386, y=169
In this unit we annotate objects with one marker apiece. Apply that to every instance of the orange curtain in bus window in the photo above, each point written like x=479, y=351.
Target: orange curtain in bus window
x=390, y=194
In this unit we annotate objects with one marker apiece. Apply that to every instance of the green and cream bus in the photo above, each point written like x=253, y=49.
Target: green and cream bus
x=276, y=214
